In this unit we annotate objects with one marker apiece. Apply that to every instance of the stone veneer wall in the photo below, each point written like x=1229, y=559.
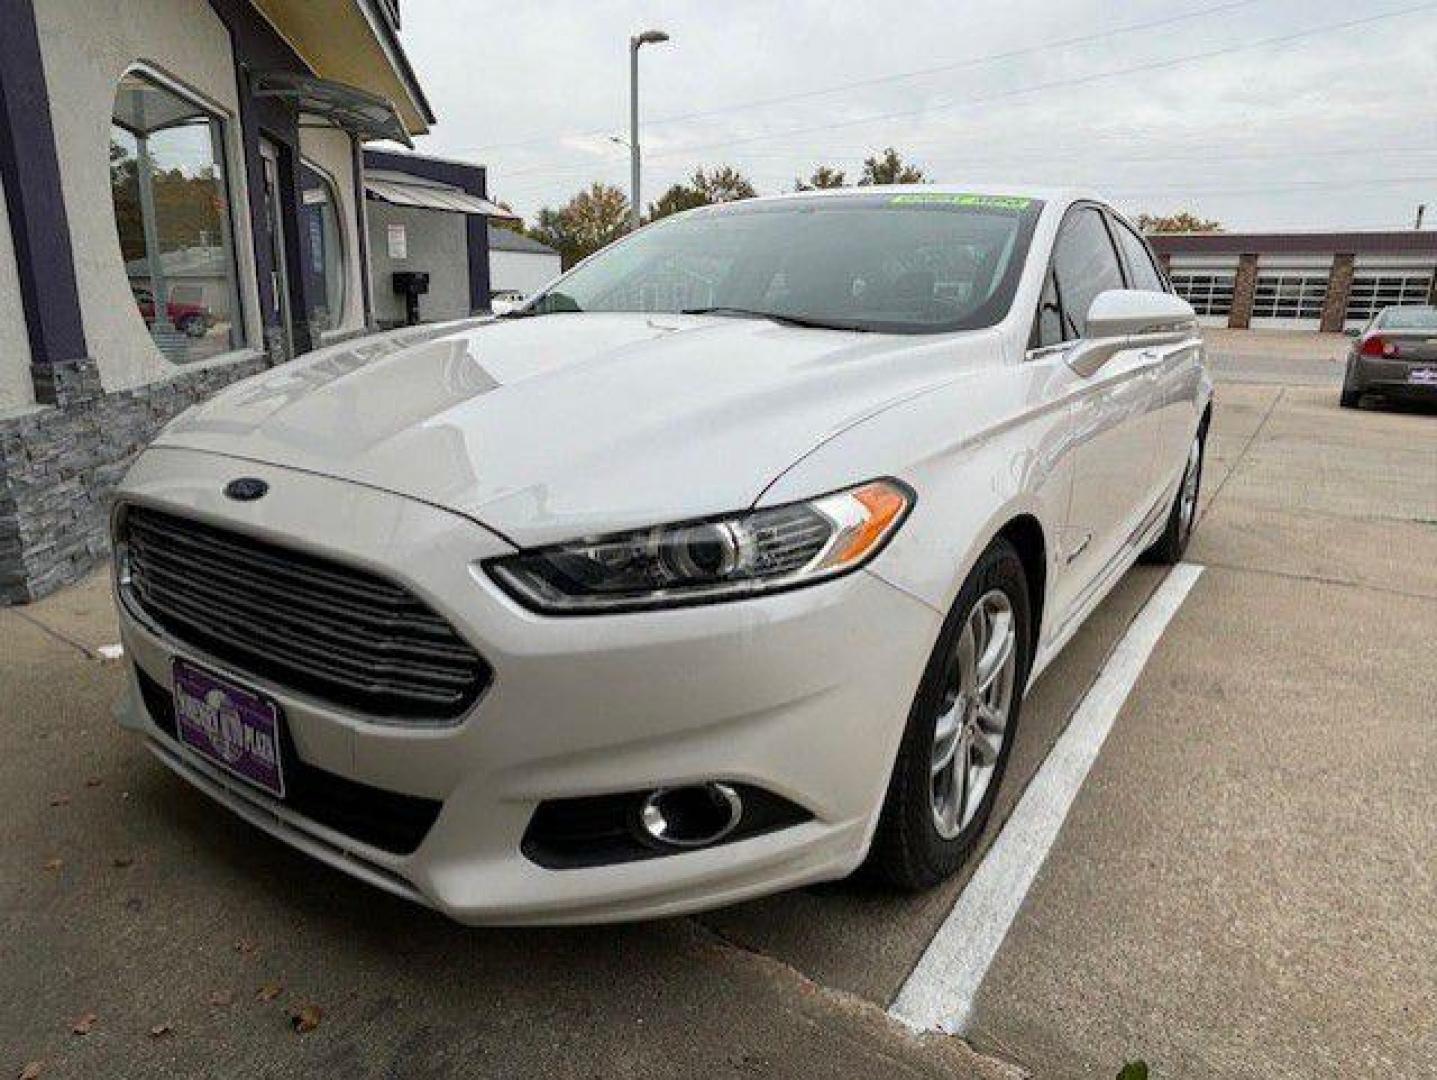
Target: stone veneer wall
x=59, y=466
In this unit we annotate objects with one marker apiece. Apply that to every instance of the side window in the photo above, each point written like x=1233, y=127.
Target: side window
x=1142, y=272
x=1048, y=324
x=1085, y=264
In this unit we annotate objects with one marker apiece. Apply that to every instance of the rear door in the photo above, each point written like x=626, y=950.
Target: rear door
x=1113, y=419
x=1176, y=370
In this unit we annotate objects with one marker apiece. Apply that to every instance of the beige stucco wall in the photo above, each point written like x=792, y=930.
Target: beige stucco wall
x=330, y=150
x=85, y=52
x=437, y=242
x=16, y=388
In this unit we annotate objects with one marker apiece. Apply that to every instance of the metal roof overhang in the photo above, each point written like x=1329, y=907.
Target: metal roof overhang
x=353, y=42
x=367, y=115
x=430, y=196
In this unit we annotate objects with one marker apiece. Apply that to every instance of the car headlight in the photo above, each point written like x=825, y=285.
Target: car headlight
x=699, y=562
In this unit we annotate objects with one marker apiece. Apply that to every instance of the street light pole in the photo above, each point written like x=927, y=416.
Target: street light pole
x=646, y=38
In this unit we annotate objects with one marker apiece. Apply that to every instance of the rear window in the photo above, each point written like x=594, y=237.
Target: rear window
x=1412, y=318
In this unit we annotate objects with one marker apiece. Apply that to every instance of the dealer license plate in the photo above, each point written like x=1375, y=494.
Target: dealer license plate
x=236, y=728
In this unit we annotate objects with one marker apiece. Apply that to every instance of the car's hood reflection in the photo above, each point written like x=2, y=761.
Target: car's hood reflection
x=563, y=425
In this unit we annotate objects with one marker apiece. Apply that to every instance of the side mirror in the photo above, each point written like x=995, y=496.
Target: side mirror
x=1130, y=319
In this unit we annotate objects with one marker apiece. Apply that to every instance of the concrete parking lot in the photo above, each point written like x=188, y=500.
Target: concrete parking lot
x=1245, y=885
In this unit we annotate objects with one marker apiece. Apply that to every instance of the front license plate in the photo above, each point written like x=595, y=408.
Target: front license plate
x=235, y=728
x=1423, y=376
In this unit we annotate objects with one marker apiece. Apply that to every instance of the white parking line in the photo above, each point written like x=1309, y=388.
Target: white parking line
x=940, y=991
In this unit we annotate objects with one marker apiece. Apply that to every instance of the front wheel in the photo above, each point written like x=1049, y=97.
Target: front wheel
x=960, y=728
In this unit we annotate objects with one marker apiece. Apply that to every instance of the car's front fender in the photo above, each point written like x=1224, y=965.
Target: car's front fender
x=979, y=454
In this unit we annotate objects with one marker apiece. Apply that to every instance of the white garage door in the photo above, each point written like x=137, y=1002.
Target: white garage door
x=1373, y=290
x=1290, y=298
x=1208, y=291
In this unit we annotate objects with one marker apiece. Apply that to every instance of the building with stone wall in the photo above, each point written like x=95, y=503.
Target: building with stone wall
x=1330, y=281
x=182, y=204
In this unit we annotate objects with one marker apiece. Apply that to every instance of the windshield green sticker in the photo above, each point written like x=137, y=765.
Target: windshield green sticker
x=982, y=202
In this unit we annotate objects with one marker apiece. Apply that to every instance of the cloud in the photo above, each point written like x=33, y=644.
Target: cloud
x=1303, y=133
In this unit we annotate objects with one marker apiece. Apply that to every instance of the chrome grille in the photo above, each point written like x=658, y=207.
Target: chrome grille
x=328, y=630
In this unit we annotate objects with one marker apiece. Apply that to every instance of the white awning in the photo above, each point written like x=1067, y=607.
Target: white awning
x=388, y=187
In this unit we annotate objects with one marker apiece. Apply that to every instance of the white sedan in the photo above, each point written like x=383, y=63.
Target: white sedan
x=720, y=567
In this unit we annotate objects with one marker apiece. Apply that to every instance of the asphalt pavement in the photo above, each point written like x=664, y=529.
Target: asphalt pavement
x=1244, y=886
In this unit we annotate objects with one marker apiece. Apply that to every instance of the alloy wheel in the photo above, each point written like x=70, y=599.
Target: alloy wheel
x=1187, y=501
x=972, y=723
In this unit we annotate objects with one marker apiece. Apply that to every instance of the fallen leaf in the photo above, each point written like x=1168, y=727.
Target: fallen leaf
x=122, y=861
x=32, y=1070
x=83, y=1025
x=59, y=800
x=306, y=1017
x=269, y=991
x=159, y=1031
x=53, y=864
x=221, y=997
x=244, y=946
x=93, y=781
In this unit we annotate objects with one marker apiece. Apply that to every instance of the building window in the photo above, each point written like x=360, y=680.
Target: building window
x=168, y=181
x=1372, y=292
x=324, y=263
x=1208, y=293
x=1295, y=296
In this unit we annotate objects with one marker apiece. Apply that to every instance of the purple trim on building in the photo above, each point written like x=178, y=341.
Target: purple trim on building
x=257, y=47
x=388, y=26
x=30, y=169
x=469, y=178
x=1408, y=242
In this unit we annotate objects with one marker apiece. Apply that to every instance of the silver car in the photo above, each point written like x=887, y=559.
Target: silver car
x=1394, y=356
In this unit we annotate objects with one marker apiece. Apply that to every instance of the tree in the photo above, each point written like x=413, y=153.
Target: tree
x=592, y=219
x=722, y=183
x=1182, y=221
x=890, y=169
x=678, y=198
x=824, y=176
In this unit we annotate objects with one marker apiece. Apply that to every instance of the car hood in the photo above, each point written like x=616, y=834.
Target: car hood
x=568, y=425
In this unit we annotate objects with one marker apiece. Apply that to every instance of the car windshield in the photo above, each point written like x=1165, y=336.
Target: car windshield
x=898, y=263
x=1411, y=318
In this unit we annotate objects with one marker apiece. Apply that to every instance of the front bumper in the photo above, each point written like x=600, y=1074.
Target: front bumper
x=804, y=694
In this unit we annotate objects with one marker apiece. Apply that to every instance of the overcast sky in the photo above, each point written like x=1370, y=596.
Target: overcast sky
x=1164, y=104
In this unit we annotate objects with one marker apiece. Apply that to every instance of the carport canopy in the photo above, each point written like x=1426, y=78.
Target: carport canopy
x=401, y=189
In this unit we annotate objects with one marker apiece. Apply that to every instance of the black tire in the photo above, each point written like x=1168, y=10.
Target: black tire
x=193, y=326
x=1170, y=547
x=1350, y=399
x=908, y=850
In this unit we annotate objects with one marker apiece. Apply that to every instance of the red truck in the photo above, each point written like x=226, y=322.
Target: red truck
x=192, y=319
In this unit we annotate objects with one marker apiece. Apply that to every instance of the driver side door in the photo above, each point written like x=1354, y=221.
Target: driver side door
x=1112, y=416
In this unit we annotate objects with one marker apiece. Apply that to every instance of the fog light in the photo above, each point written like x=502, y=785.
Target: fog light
x=691, y=816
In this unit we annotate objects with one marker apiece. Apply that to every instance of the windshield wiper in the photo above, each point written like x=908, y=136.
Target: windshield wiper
x=774, y=316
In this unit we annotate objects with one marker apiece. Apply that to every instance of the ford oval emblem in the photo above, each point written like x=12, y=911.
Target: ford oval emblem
x=246, y=488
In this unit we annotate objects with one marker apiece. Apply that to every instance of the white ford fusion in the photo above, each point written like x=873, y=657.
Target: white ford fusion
x=720, y=567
